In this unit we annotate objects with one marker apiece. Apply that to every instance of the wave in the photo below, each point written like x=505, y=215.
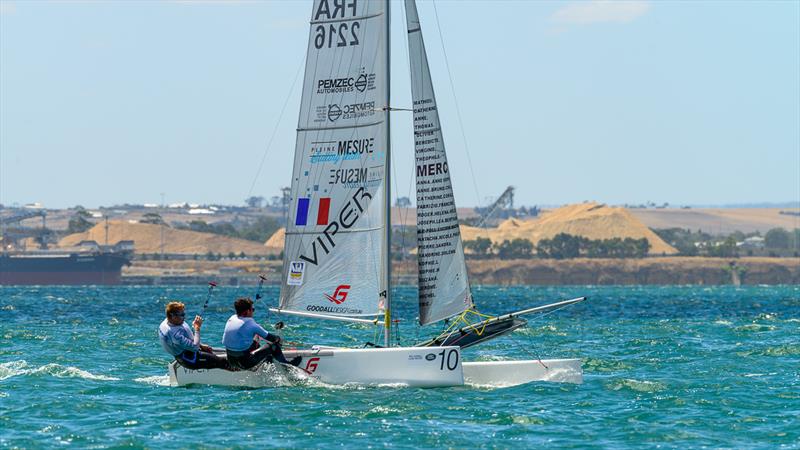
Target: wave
x=156, y=380
x=21, y=367
x=636, y=385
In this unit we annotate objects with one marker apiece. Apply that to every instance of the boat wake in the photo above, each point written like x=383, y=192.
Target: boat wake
x=155, y=380
x=21, y=368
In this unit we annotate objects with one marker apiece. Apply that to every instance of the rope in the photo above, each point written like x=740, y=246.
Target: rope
x=525, y=350
x=453, y=327
x=275, y=130
x=458, y=109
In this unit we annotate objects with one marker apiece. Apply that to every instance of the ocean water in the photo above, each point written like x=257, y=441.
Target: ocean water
x=664, y=367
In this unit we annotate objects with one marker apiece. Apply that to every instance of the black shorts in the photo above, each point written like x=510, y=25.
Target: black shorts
x=201, y=360
x=255, y=355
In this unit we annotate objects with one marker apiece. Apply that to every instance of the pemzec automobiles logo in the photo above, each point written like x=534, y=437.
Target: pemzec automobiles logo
x=334, y=112
x=361, y=82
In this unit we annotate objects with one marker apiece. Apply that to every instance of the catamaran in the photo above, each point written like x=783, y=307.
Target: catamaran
x=337, y=261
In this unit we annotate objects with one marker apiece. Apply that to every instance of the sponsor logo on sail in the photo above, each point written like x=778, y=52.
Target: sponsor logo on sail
x=340, y=294
x=355, y=177
x=361, y=82
x=344, y=85
x=297, y=270
x=430, y=356
x=349, y=111
x=333, y=309
x=341, y=150
x=334, y=112
x=347, y=216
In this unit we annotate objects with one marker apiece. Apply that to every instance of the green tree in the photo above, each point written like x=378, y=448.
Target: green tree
x=79, y=221
x=481, y=247
x=641, y=247
x=521, y=248
x=724, y=249
x=152, y=218
x=255, y=201
x=561, y=246
x=777, y=238
x=260, y=230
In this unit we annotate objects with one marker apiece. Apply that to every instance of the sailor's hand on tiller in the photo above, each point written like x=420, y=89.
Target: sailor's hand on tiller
x=197, y=323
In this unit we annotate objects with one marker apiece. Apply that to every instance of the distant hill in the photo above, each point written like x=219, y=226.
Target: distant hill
x=590, y=220
x=147, y=238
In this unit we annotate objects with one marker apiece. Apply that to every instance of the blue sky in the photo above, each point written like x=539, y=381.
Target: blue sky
x=104, y=103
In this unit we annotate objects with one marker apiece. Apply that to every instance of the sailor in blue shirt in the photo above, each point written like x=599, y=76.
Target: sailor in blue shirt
x=243, y=351
x=178, y=340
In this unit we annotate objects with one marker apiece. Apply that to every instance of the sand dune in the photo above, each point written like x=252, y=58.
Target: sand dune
x=277, y=240
x=147, y=239
x=590, y=220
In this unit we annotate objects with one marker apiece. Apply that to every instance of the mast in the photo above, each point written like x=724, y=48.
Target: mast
x=387, y=323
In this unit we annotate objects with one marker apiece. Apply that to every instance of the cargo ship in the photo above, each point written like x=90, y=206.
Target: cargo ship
x=87, y=263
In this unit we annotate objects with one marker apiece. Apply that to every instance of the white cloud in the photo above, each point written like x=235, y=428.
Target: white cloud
x=599, y=11
x=7, y=7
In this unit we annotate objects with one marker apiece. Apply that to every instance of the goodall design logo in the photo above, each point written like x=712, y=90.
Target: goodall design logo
x=311, y=365
x=339, y=295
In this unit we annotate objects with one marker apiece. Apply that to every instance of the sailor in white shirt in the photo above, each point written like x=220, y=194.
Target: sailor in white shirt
x=178, y=340
x=240, y=330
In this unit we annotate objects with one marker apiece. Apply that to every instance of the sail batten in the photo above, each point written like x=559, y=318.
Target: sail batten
x=334, y=247
x=442, y=274
x=361, y=125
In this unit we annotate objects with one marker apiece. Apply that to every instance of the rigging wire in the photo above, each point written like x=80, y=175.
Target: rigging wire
x=403, y=216
x=275, y=130
x=455, y=100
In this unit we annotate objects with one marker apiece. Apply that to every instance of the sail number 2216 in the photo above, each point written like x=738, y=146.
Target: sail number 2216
x=340, y=35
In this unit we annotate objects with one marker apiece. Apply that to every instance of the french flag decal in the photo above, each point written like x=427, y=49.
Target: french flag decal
x=303, y=206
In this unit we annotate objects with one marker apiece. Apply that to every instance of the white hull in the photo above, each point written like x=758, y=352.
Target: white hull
x=410, y=366
x=403, y=366
x=513, y=373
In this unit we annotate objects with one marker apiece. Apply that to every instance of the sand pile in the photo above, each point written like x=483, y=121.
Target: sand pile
x=147, y=239
x=277, y=240
x=590, y=220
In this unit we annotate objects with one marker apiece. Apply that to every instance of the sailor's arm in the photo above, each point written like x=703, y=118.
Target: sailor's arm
x=274, y=338
x=197, y=323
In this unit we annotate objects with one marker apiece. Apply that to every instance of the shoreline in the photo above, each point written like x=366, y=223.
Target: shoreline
x=580, y=271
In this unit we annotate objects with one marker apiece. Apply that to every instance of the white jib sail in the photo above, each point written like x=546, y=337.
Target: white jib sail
x=335, y=231
x=443, y=285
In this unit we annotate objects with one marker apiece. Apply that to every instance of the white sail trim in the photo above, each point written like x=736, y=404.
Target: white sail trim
x=335, y=230
x=443, y=285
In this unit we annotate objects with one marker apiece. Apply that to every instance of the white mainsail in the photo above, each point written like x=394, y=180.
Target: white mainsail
x=335, y=251
x=443, y=285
